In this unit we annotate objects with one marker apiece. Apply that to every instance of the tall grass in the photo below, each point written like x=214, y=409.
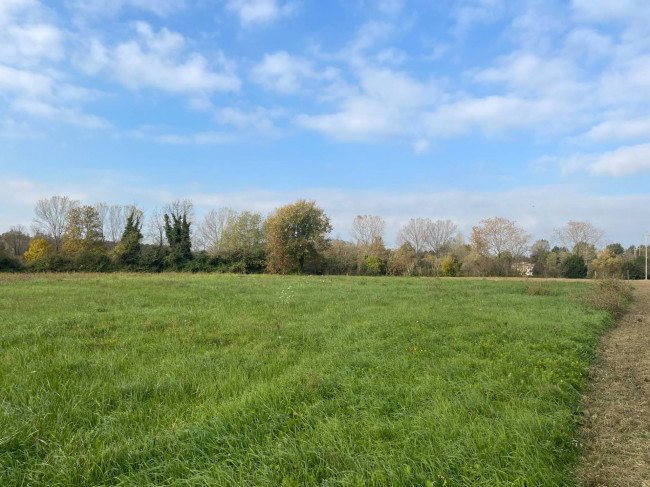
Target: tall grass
x=267, y=380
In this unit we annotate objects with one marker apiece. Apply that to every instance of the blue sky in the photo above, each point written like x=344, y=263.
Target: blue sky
x=533, y=110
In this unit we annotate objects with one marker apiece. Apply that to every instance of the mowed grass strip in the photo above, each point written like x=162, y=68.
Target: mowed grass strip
x=269, y=380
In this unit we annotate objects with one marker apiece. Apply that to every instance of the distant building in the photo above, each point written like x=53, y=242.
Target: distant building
x=524, y=268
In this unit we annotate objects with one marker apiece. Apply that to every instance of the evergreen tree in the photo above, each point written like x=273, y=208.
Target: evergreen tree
x=128, y=251
x=177, y=230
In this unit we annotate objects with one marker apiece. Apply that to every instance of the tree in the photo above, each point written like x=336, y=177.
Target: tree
x=498, y=236
x=616, y=248
x=16, y=240
x=38, y=248
x=83, y=231
x=607, y=264
x=402, y=262
x=341, y=257
x=128, y=250
x=579, y=236
x=210, y=232
x=177, y=231
x=539, y=251
x=573, y=267
x=295, y=234
x=415, y=233
x=51, y=217
x=439, y=235
x=243, y=235
x=156, y=228
x=366, y=228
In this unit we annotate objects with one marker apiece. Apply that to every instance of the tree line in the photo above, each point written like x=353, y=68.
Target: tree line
x=69, y=236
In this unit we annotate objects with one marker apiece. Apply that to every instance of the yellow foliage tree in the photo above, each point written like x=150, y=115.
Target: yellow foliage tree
x=38, y=248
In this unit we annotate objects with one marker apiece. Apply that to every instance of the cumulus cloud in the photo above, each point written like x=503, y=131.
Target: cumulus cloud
x=157, y=60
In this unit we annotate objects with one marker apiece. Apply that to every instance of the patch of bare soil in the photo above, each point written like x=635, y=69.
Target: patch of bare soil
x=617, y=406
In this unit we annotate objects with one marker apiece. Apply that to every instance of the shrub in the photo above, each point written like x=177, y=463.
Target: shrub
x=449, y=267
x=611, y=295
x=374, y=266
x=539, y=289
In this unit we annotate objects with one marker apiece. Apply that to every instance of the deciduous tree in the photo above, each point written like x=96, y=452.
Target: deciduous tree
x=366, y=228
x=295, y=234
x=497, y=236
x=414, y=233
x=50, y=219
x=38, y=248
x=16, y=240
x=579, y=236
x=210, y=231
x=83, y=231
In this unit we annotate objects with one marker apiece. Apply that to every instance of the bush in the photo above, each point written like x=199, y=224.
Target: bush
x=611, y=295
x=91, y=262
x=52, y=263
x=450, y=267
x=7, y=264
x=374, y=266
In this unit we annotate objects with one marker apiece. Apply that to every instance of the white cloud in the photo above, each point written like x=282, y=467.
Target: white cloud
x=157, y=134
x=391, y=7
x=388, y=103
x=72, y=116
x=617, y=129
x=260, y=119
x=611, y=10
x=252, y=12
x=22, y=44
x=156, y=60
x=624, y=161
x=471, y=12
x=99, y=8
x=22, y=82
x=529, y=74
x=282, y=72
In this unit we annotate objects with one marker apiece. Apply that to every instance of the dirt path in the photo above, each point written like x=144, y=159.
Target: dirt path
x=617, y=406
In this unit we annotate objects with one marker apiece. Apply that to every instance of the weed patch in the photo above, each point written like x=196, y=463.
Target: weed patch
x=610, y=295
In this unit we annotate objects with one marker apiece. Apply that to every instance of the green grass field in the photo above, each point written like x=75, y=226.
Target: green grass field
x=269, y=380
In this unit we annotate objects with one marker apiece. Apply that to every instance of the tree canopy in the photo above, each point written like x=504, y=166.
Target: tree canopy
x=295, y=234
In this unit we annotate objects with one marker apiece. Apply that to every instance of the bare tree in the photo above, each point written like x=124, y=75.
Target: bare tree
x=180, y=208
x=414, y=233
x=439, y=234
x=579, y=236
x=51, y=216
x=155, y=232
x=366, y=228
x=211, y=230
x=102, y=213
x=115, y=222
x=496, y=236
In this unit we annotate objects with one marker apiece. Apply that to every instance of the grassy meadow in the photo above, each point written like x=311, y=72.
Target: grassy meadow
x=301, y=380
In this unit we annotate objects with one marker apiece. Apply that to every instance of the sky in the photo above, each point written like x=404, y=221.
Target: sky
x=532, y=110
